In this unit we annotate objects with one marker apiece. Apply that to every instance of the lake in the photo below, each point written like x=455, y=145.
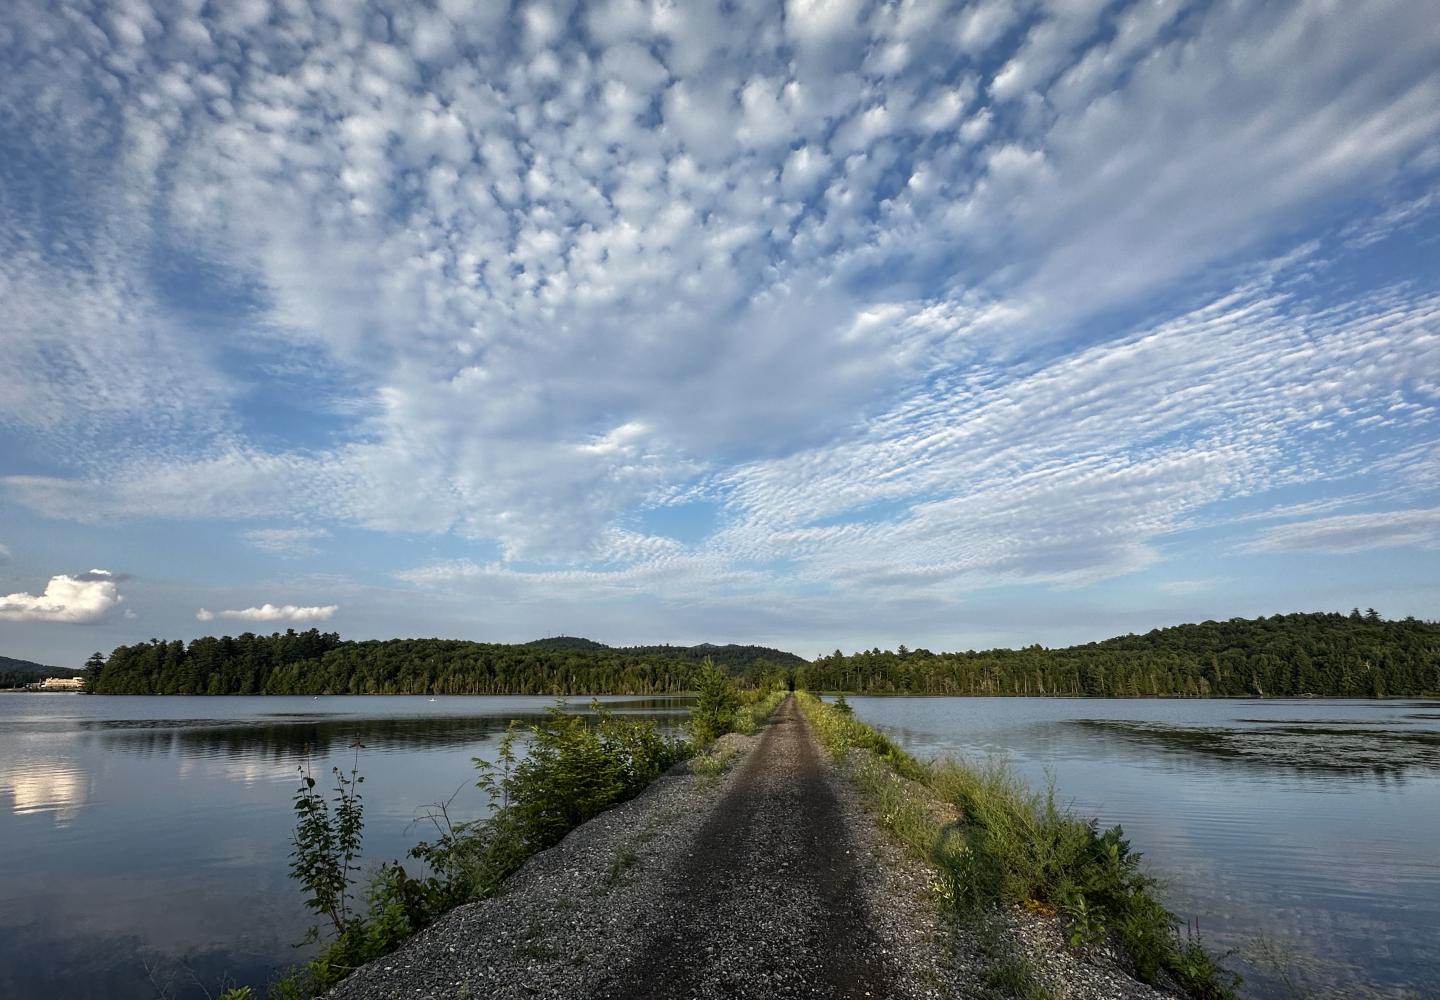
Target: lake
x=1306, y=834
x=146, y=839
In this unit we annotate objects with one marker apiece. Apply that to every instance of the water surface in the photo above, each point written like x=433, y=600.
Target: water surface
x=146, y=839
x=1305, y=834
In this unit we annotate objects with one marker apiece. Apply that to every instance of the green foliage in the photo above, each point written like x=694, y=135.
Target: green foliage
x=573, y=768
x=710, y=766
x=314, y=662
x=326, y=843
x=1334, y=655
x=997, y=843
x=840, y=732
x=716, y=702
x=756, y=707
x=18, y=673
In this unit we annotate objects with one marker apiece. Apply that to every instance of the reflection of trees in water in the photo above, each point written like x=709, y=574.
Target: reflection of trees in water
x=283, y=738
x=124, y=965
x=1381, y=753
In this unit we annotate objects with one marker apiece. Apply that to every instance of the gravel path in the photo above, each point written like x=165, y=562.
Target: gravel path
x=770, y=881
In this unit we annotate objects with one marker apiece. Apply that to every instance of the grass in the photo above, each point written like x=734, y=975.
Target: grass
x=996, y=843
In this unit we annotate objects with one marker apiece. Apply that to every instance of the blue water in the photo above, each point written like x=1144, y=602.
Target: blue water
x=1303, y=834
x=146, y=839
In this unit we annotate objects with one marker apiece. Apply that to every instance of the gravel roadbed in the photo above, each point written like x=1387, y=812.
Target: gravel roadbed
x=580, y=907
x=769, y=881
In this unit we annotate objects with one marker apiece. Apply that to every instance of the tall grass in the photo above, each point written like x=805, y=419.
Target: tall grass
x=996, y=842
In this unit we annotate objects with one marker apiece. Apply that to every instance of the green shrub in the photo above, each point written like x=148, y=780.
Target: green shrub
x=574, y=768
x=717, y=700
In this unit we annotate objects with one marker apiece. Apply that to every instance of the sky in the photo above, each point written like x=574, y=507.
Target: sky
x=816, y=324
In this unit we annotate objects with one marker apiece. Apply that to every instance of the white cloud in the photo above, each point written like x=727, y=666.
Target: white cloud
x=1349, y=533
x=780, y=261
x=5, y=555
x=82, y=599
x=272, y=613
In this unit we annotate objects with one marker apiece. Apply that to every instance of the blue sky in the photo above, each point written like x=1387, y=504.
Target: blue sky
x=817, y=324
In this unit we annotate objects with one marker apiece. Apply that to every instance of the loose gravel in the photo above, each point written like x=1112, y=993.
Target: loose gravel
x=767, y=881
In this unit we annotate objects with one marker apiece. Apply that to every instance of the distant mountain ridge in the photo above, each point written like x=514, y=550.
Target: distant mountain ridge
x=720, y=654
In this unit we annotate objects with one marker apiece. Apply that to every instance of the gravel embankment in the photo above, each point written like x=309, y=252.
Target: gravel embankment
x=770, y=881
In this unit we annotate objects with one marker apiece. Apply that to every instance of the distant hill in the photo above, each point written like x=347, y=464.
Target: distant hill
x=1322, y=654
x=566, y=642
x=315, y=662
x=18, y=673
x=729, y=656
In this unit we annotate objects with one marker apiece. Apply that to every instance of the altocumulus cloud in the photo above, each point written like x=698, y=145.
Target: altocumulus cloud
x=272, y=613
x=912, y=299
x=1347, y=533
x=81, y=599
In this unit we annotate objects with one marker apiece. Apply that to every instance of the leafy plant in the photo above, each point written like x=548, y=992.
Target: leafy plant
x=327, y=840
x=716, y=702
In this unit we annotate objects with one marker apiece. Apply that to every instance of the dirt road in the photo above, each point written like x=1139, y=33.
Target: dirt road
x=770, y=882
x=767, y=902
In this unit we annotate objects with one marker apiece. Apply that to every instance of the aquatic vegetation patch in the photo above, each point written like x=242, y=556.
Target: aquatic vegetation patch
x=1298, y=746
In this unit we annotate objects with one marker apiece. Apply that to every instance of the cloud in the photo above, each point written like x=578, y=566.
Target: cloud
x=81, y=599
x=4, y=553
x=272, y=613
x=286, y=542
x=987, y=290
x=1349, y=533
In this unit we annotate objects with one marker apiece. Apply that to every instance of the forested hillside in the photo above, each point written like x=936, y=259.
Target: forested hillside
x=1354, y=655
x=733, y=658
x=17, y=673
x=315, y=662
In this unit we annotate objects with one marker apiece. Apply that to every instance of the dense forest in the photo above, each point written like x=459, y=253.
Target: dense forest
x=733, y=658
x=17, y=673
x=1355, y=655
x=1335, y=655
x=315, y=662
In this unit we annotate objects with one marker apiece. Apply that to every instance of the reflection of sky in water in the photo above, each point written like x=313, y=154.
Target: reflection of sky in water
x=156, y=830
x=52, y=788
x=1311, y=821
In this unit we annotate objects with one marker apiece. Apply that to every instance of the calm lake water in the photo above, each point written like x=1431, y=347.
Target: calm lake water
x=1305, y=833
x=146, y=839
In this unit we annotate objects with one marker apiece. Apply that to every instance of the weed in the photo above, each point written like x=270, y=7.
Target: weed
x=621, y=862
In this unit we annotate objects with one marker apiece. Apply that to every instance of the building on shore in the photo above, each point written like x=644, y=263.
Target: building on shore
x=60, y=684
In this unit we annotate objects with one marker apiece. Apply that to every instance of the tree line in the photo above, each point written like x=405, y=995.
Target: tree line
x=1332, y=655
x=315, y=662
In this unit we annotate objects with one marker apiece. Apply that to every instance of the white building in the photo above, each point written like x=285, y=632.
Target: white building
x=62, y=684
